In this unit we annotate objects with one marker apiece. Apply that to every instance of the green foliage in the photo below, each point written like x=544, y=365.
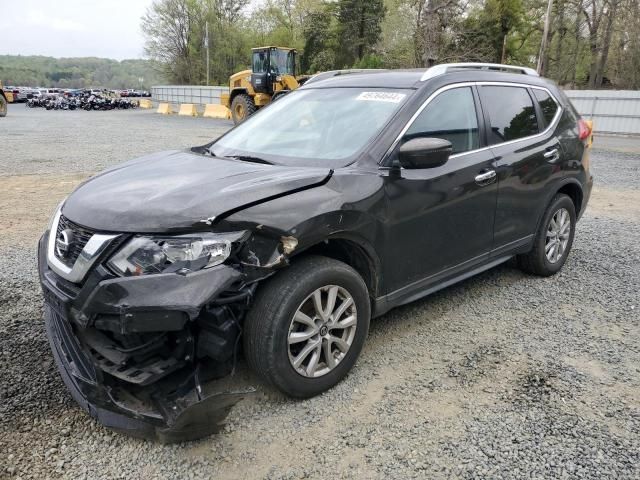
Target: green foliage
x=320, y=42
x=397, y=46
x=359, y=29
x=38, y=71
x=369, y=61
x=336, y=34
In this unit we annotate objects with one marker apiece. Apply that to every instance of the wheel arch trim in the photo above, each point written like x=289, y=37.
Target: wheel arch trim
x=353, y=250
x=571, y=183
x=235, y=92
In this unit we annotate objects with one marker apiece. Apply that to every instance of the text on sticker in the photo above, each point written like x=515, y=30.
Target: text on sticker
x=381, y=97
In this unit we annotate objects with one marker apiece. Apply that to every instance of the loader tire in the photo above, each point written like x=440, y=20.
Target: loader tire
x=242, y=107
x=3, y=106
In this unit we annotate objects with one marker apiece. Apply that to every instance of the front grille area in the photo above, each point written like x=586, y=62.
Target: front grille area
x=70, y=348
x=80, y=238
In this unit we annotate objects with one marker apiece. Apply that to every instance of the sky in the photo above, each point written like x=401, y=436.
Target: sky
x=72, y=28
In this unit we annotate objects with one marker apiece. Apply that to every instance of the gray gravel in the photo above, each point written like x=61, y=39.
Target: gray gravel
x=501, y=376
x=53, y=141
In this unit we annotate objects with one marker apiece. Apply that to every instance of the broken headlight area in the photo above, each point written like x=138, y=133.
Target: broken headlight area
x=149, y=341
x=144, y=255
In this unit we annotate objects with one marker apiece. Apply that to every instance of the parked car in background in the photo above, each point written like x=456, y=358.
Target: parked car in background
x=72, y=93
x=29, y=92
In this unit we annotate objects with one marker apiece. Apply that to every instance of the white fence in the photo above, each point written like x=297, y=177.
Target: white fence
x=187, y=94
x=612, y=111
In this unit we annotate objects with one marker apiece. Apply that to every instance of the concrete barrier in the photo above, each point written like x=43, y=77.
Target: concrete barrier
x=164, y=108
x=188, y=109
x=145, y=103
x=590, y=141
x=212, y=110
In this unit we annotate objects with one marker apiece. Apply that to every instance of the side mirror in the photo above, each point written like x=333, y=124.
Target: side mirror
x=424, y=153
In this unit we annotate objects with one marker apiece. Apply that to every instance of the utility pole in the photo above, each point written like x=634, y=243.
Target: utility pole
x=545, y=38
x=206, y=45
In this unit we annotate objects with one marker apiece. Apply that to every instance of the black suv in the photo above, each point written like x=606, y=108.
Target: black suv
x=279, y=241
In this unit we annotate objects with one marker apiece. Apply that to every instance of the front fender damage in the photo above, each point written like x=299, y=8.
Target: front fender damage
x=155, y=356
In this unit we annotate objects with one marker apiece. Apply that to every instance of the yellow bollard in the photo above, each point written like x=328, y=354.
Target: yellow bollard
x=590, y=141
x=188, y=109
x=164, y=108
x=212, y=110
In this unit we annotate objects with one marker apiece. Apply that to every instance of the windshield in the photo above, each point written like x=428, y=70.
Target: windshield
x=313, y=127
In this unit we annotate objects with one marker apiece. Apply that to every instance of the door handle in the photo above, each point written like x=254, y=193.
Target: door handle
x=486, y=178
x=552, y=155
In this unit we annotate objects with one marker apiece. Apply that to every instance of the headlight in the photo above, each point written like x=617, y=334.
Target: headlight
x=147, y=255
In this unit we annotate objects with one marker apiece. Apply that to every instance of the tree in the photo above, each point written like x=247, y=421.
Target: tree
x=398, y=45
x=38, y=71
x=170, y=27
x=589, y=40
x=436, y=21
x=320, y=42
x=599, y=16
x=359, y=28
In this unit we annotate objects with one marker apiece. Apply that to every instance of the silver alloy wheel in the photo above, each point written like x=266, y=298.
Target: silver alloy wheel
x=558, y=233
x=322, y=331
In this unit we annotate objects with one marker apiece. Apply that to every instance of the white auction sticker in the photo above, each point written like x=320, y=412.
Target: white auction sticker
x=391, y=97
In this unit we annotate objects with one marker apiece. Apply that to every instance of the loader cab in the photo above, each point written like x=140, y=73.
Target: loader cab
x=267, y=64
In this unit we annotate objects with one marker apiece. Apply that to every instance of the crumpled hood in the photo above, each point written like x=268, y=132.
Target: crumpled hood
x=178, y=190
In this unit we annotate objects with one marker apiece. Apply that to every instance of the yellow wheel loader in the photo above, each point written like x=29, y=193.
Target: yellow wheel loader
x=272, y=74
x=5, y=97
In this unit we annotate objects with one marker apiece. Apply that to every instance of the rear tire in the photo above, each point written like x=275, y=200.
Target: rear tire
x=283, y=322
x=553, y=239
x=242, y=107
x=3, y=106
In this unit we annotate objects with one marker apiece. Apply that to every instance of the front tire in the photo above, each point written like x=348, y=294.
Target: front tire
x=553, y=240
x=3, y=106
x=242, y=107
x=307, y=326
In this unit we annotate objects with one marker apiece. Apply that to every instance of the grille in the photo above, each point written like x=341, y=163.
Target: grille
x=81, y=365
x=80, y=238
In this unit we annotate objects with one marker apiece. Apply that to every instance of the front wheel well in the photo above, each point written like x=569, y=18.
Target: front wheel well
x=235, y=92
x=352, y=254
x=574, y=192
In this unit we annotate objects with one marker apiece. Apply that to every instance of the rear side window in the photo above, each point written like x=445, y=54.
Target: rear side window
x=511, y=113
x=450, y=116
x=547, y=104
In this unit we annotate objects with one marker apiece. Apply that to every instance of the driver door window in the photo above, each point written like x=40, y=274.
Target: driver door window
x=450, y=116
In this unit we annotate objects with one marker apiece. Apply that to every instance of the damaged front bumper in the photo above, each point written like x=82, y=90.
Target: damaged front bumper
x=140, y=354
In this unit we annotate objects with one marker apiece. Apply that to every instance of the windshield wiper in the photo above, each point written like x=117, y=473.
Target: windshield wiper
x=249, y=158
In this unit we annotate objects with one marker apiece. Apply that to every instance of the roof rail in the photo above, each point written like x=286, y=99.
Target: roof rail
x=446, y=67
x=336, y=73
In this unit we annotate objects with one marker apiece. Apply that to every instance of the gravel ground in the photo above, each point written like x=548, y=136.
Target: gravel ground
x=501, y=376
